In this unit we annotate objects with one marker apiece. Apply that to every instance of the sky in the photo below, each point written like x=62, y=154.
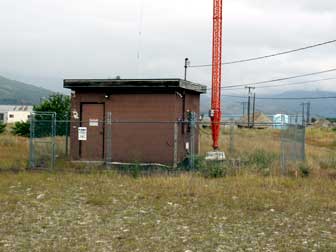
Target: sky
x=46, y=41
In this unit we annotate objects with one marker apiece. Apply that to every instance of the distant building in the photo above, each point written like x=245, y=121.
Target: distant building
x=15, y=113
x=280, y=121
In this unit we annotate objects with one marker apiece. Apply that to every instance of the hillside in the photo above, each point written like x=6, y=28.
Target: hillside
x=322, y=108
x=15, y=93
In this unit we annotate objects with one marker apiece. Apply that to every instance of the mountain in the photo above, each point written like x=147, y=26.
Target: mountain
x=319, y=108
x=15, y=93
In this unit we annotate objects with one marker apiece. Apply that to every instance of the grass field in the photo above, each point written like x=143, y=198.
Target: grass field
x=91, y=210
x=109, y=212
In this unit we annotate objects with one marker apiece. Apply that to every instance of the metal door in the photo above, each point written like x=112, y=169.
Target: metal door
x=92, y=121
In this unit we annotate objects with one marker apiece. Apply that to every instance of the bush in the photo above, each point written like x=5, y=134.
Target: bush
x=262, y=160
x=21, y=129
x=58, y=103
x=2, y=127
x=210, y=169
x=214, y=170
x=304, y=170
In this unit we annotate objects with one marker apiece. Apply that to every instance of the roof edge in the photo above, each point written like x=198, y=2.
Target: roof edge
x=134, y=83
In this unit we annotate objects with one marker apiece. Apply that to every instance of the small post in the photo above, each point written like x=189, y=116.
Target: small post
x=186, y=65
x=109, y=138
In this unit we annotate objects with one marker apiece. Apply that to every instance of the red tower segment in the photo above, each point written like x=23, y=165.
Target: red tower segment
x=216, y=72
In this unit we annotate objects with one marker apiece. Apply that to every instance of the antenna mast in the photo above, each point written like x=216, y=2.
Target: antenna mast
x=215, y=112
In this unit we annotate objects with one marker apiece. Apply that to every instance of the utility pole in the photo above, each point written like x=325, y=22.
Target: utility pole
x=308, y=113
x=186, y=65
x=249, y=105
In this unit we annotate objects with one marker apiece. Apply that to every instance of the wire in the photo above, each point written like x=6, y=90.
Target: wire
x=284, y=98
x=267, y=56
x=287, y=84
x=280, y=79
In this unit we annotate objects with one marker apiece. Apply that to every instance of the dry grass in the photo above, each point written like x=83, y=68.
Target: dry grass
x=108, y=212
x=320, y=147
x=104, y=211
x=13, y=151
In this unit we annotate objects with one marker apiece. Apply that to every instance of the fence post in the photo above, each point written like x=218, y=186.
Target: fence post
x=192, y=125
x=67, y=126
x=108, y=125
x=232, y=137
x=53, y=135
x=282, y=153
x=175, y=144
x=31, y=142
x=303, y=143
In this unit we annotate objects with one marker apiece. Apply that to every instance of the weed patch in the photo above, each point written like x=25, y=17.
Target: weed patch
x=262, y=160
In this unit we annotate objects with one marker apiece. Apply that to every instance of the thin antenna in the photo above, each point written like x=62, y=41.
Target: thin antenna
x=140, y=33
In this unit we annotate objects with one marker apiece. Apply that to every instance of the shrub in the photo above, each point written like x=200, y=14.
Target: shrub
x=210, y=169
x=2, y=127
x=58, y=103
x=304, y=170
x=214, y=169
x=261, y=159
x=21, y=129
x=135, y=170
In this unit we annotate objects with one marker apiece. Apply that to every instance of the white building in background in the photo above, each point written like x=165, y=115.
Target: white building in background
x=13, y=114
x=280, y=121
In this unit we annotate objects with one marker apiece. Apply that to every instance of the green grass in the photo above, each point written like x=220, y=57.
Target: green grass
x=109, y=212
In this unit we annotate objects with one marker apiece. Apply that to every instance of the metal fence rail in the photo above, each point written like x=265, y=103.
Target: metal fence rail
x=174, y=144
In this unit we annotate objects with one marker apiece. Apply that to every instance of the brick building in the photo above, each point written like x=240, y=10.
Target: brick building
x=143, y=115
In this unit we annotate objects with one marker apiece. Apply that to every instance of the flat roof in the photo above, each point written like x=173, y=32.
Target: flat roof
x=135, y=84
x=19, y=108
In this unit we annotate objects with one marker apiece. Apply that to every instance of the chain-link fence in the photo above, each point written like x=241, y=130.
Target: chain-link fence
x=167, y=145
x=293, y=146
x=42, y=140
x=145, y=143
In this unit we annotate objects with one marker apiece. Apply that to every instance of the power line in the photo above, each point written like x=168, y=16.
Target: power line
x=267, y=56
x=280, y=79
x=284, y=98
x=287, y=84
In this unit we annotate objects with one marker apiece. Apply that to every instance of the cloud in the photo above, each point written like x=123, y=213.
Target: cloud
x=44, y=41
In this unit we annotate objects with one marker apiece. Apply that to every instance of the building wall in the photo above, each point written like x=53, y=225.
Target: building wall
x=138, y=142
x=2, y=117
x=17, y=116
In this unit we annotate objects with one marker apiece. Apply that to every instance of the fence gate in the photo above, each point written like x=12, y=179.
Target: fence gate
x=293, y=143
x=42, y=140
